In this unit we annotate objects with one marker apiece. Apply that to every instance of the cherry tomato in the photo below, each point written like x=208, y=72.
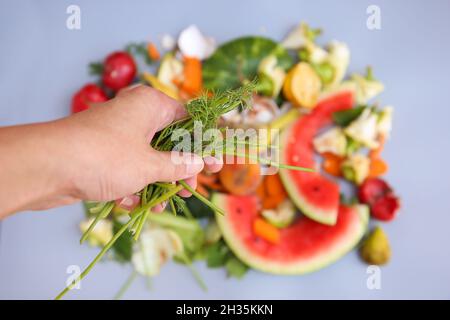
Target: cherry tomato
x=372, y=189
x=385, y=208
x=375, y=192
x=119, y=70
x=86, y=95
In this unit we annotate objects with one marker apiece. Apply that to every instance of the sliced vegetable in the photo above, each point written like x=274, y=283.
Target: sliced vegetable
x=282, y=216
x=304, y=85
x=364, y=129
x=274, y=74
x=155, y=83
x=384, y=125
x=298, y=36
x=192, y=80
x=356, y=168
x=266, y=231
x=332, y=164
x=339, y=59
x=332, y=141
x=170, y=71
x=378, y=167
x=153, y=52
x=240, y=179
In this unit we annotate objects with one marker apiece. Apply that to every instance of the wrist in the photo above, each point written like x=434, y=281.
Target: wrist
x=35, y=177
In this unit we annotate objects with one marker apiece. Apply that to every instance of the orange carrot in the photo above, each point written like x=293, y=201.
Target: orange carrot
x=376, y=153
x=266, y=231
x=153, y=52
x=332, y=164
x=202, y=190
x=206, y=179
x=193, y=81
x=378, y=167
x=274, y=186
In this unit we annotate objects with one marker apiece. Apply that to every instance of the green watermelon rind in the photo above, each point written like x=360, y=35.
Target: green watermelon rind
x=291, y=268
x=327, y=217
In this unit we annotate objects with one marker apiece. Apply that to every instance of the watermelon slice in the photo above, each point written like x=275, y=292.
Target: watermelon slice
x=314, y=194
x=304, y=246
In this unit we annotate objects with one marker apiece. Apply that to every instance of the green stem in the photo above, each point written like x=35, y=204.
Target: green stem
x=102, y=215
x=126, y=285
x=100, y=255
x=201, y=198
x=141, y=224
x=194, y=271
x=269, y=163
x=172, y=206
x=135, y=214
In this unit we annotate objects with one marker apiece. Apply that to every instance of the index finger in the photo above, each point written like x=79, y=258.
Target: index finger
x=161, y=109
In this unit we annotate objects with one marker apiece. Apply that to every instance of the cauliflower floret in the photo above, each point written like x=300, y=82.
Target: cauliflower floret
x=333, y=141
x=296, y=37
x=339, y=58
x=384, y=125
x=101, y=234
x=366, y=89
x=364, y=129
x=192, y=43
x=268, y=68
x=154, y=248
x=356, y=168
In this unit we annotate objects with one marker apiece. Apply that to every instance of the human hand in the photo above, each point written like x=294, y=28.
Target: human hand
x=104, y=153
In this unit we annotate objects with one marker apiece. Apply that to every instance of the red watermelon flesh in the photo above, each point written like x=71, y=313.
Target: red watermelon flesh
x=314, y=194
x=304, y=246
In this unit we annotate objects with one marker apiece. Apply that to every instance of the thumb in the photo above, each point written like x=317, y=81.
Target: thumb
x=173, y=166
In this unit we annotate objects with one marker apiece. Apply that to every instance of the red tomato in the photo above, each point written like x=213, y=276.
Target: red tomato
x=372, y=189
x=119, y=70
x=385, y=208
x=88, y=94
x=379, y=196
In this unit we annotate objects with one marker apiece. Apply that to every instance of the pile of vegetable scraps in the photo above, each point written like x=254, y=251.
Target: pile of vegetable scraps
x=289, y=221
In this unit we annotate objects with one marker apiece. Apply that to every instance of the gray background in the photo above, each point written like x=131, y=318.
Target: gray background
x=42, y=64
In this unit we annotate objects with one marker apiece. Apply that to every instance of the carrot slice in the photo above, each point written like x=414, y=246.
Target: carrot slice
x=274, y=186
x=332, y=164
x=378, y=167
x=202, y=190
x=266, y=231
x=153, y=52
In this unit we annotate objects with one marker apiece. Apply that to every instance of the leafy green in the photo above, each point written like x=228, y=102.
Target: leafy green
x=198, y=208
x=217, y=254
x=345, y=117
x=139, y=50
x=235, y=267
x=123, y=247
x=96, y=68
x=236, y=62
